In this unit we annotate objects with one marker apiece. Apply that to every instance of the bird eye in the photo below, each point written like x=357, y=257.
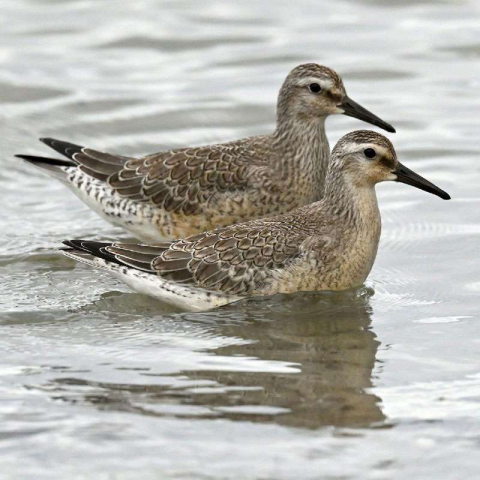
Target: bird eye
x=370, y=153
x=315, y=88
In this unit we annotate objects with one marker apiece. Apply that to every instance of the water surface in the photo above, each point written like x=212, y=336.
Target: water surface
x=100, y=382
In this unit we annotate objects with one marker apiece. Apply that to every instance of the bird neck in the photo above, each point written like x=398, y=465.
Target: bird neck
x=348, y=216
x=303, y=155
x=350, y=200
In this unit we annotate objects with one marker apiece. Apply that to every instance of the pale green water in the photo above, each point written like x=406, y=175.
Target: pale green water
x=97, y=382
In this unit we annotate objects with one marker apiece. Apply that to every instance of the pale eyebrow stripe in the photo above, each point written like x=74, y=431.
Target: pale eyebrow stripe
x=381, y=151
x=323, y=82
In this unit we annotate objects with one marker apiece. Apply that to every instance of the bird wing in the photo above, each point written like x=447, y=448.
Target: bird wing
x=183, y=180
x=177, y=180
x=234, y=260
x=97, y=164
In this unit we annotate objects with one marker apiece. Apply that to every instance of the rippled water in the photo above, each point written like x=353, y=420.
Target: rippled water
x=98, y=382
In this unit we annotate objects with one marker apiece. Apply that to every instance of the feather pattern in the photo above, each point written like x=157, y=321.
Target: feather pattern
x=181, y=180
x=230, y=260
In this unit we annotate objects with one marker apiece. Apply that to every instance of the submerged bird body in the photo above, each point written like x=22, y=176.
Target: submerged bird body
x=328, y=245
x=190, y=190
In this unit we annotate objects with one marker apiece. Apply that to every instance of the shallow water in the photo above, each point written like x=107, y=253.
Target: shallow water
x=98, y=382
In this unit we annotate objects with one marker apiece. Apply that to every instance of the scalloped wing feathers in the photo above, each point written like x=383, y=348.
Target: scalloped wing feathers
x=235, y=260
x=183, y=180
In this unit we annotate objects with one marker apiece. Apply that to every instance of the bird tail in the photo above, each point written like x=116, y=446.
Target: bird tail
x=53, y=166
x=91, y=253
x=139, y=278
x=97, y=164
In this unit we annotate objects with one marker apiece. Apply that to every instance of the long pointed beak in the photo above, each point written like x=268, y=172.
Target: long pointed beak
x=353, y=109
x=405, y=175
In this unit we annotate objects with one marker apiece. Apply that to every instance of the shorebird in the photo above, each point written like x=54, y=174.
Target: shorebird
x=327, y=245
x=182, y=192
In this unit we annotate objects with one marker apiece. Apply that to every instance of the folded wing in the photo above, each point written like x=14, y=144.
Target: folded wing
x=176, y=180
x=234, y=260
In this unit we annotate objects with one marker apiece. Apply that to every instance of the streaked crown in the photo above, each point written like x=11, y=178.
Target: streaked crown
x=363, y=137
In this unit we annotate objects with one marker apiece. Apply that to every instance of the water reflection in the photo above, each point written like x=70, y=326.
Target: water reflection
x=309, y=365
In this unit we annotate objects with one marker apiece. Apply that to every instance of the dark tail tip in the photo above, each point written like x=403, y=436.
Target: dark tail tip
x=64, y=148
x=45, y=160
x=70, y=244
x=97, y=249
x=88, y=246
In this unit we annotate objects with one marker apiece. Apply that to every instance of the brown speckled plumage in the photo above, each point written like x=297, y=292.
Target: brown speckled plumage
x=189, y=190
x=328, y=245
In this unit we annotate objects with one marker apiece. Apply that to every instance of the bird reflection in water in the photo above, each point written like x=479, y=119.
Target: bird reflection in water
x=323, y=341
x=328, y=339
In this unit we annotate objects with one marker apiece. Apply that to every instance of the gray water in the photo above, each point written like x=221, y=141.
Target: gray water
x=98, y=382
